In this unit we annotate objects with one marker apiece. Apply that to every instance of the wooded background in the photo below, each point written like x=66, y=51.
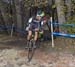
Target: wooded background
x=19, y=11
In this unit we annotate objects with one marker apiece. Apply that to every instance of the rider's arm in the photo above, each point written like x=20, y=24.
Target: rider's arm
x=28, y=24
x=43, y=22
x=30, y=20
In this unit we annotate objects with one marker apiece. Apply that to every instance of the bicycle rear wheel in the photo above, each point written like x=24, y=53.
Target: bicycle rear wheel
x=31, y=50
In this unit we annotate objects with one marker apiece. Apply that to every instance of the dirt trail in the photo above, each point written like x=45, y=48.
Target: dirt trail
x=13, y=54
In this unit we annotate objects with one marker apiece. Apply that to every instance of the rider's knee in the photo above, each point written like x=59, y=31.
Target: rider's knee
x=36, y=30
x=36, y=33
x=29, y=33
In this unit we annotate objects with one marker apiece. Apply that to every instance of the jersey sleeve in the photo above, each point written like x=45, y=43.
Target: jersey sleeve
x=42, y=22
x=30, y=20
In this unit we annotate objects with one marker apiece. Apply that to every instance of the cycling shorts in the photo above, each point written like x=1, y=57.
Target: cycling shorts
x=33, y=26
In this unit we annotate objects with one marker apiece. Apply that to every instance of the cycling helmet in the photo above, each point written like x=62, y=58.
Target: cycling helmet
x=40, y=13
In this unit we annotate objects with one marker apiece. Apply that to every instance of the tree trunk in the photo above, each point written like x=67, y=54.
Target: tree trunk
x=25, y=12
x=61, y=17
x=3, y=14
x=68, y=3
x=14, y=12
x=1, y=18
x=18, y=14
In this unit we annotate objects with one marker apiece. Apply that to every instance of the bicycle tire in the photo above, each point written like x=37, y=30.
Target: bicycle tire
x=30, y=51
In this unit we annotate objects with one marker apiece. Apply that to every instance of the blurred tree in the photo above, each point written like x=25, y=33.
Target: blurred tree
x=61, y=15
x=18, y=11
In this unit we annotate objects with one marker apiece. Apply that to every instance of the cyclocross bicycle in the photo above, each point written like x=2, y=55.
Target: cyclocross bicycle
x=31, y=48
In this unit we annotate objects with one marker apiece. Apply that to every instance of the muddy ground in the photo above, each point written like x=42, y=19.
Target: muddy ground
x=14, y=54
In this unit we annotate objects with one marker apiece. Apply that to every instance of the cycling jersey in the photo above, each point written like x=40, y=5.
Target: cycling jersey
x=34, y=23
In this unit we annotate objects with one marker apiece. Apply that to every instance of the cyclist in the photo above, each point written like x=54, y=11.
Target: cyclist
x=35, y=25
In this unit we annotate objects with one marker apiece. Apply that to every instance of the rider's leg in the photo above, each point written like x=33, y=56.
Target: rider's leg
x=35, y=37
x=36, y=34
x=29, y=35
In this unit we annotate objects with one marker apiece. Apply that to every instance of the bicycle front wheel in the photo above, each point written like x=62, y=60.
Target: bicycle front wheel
x=30, y=51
